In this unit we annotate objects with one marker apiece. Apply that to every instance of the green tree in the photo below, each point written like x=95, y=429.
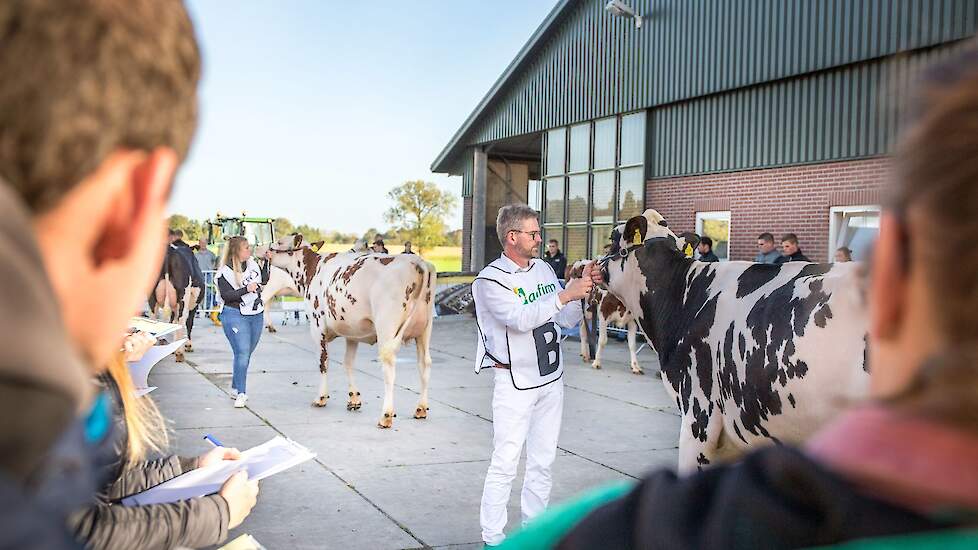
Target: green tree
x=312, y=234
x=454, y=238
x=419, y=211
x=192, y=229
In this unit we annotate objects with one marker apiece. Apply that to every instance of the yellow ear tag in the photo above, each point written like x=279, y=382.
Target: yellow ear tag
x=688, y=250
x=637, y=238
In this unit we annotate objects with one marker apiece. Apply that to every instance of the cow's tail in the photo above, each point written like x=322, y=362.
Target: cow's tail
x=422, y=295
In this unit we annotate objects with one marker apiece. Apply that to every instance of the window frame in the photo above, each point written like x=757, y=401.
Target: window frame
x=716, y=215
x=837, y=214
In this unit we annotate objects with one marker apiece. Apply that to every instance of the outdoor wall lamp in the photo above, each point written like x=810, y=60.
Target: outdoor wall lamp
x=621, y=9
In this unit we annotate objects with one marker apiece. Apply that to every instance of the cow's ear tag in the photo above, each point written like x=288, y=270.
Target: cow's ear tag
x=637, y=238
x=688, y=250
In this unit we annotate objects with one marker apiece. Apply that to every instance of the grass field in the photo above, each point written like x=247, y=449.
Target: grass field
x=445, y=258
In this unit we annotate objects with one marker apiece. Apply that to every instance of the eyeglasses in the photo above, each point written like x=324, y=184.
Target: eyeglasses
x=533, y=234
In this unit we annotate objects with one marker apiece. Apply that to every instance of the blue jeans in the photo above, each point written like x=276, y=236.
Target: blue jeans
x=243, y=332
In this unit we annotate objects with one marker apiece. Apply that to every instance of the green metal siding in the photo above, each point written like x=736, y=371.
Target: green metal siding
x=591, y=64
x=844, y=113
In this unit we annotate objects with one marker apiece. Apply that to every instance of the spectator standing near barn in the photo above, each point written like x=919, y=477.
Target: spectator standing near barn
x=705, y=249
x=767, y=251
x=790, y=250
x=555, y=258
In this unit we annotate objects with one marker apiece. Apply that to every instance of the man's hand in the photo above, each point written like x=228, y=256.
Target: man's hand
x=216, y=455
x=578, y=289
x=252, y=287
x=595, y=273
x=241, y=496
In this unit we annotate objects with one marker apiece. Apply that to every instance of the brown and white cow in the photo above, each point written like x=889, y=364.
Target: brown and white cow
x=610, y=311
x=367, y=298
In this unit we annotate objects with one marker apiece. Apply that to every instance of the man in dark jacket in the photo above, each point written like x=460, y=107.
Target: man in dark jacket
x=555, y=258
x=705, y=248
x=790, y=250
x=187, y=253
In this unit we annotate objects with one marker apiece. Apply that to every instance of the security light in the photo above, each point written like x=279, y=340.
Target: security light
x=621, y=9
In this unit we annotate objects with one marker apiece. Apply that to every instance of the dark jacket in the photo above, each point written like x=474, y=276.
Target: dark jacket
x=796, y=257
x=709, y=257
x=774, y=498
x=558, y=262
x=47, y=449
x=193, y=523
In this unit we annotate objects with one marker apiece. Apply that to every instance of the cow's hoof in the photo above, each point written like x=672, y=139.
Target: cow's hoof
x=596, y=364
x=353, y=406
x=638, y=371
x=188, y=348
x=387, y=421
x=421, y=413
x=321, y=402
x=271, y=329
x=178, y=356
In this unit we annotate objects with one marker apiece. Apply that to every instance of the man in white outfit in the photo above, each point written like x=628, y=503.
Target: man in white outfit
x=520, y=308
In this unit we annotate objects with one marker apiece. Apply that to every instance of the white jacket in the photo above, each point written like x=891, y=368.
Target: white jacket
x=519, y=319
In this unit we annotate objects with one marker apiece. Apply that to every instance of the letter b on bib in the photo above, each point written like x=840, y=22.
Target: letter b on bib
x=548, y=348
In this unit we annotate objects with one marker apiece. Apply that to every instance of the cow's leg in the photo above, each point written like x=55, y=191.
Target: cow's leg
x=268, y=321
x=632, y=330
x=602, y=340
x=424, y=371
x=690, y=448
x=582, y=330
x=323, y=367
x=389, y=346
x=348, y=360
x=178, y=311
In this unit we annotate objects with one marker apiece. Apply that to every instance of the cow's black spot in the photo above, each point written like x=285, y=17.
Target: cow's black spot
x=791, y=399
x=700, y=420
x=754, y=277
x=737, y=431
x=866, y=353
x=702, y=460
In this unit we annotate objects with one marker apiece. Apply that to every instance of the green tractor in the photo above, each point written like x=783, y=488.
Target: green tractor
x=258, y=231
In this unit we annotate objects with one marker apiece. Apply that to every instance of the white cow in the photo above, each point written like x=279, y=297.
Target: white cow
x=366, y=298
x=280, y=283
x=610, y=311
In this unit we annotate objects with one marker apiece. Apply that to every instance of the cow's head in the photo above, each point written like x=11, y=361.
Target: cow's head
x=284, y=250
x=623, y=273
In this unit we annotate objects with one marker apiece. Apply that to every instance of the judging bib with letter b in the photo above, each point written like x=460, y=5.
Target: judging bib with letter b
x=534, y=357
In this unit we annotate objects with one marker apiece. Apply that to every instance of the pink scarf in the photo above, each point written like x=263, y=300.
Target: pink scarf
x=912, y=462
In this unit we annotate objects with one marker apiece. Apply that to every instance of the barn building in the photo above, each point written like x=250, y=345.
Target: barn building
x=730, y=118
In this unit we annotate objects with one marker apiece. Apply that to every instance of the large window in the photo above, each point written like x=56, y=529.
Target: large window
x=595, y=176
x=854, y=227
x=716, y=226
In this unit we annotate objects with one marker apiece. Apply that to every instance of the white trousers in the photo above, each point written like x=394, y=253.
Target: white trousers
x=520, y=416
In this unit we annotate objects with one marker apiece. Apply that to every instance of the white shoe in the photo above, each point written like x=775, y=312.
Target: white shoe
x=233, y=393
x=240, y=401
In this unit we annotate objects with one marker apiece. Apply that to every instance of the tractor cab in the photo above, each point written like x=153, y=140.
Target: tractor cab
x=258, y=231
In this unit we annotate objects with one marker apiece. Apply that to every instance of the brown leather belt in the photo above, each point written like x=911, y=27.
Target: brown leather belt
x=500, y=366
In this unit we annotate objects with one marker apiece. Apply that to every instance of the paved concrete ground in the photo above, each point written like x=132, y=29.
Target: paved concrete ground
x=418, y=484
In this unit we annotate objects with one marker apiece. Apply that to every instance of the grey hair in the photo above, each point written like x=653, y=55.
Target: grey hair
x=511, y=218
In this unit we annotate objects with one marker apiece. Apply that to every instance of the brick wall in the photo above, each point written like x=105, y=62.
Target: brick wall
x=466, y=233
x=792, y=199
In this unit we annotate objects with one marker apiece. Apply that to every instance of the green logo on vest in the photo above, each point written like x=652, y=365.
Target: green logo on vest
x=535, y=295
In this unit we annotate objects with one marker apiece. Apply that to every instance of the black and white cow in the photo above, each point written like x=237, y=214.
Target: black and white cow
x=180, y=288
x=751, y=353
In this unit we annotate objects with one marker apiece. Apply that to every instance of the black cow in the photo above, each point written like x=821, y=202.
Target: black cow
x=751, y=353
x=179, y=287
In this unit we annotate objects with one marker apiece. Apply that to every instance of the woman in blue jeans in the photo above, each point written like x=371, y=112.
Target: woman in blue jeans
x=239, y=280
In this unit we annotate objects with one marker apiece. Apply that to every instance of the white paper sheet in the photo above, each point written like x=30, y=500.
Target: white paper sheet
x=274, y=456
x=152, y=326
x=139, y=370
x=143, y=391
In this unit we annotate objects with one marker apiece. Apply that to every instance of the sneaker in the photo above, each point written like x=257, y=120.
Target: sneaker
x=233, y=393
x=240, y=401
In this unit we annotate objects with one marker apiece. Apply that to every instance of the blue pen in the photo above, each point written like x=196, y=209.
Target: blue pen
x=213, y=440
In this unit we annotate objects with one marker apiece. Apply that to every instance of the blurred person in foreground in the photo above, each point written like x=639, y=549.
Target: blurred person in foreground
x=904, y=464
x=98, y=106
